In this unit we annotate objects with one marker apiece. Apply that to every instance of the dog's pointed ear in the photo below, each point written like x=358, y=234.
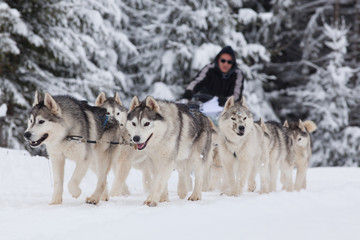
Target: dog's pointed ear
x=100, y=99
x=301, y=125
x=286, y=124
x=262, y=125
x=243, y=102
x=52, y=105
x=229, y=103
x=152, y=104
x=117, y=99
x=37, y=98
x=135, y=102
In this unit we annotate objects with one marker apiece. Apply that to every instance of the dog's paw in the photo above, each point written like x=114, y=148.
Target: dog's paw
x=164, y=199
x=150, y=203
x=91, y=200
x=56, y=200
x=75, y=191
x=105, y=196
x=182, y=194
x=182, y=189
x=194, y=198
x=251, y=188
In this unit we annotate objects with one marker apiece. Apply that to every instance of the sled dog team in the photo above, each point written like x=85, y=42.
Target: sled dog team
x=156, y=137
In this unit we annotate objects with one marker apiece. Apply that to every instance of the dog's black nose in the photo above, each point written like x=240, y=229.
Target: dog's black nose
x=27, y=135
x=136, y=138
x=241, y=128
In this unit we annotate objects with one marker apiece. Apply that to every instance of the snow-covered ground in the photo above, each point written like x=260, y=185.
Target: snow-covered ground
x=328, y=209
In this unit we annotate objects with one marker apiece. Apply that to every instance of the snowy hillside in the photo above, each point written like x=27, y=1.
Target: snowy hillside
x=328, y=209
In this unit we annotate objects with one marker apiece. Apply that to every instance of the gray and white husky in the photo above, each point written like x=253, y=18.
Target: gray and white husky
x=216, y=178
x=243, y=148
x=277, y=143
x=54, y=120
x=128, y=156
x=299, y=147
x=171, y=137
x=114, y=107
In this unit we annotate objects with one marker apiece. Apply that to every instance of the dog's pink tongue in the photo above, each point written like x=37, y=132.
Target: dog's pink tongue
x=140, y=145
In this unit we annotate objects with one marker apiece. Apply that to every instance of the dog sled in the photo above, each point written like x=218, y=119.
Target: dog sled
x=205, y=103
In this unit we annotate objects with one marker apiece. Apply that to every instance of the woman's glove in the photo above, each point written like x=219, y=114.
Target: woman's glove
x=188, y=94
x=222, y=101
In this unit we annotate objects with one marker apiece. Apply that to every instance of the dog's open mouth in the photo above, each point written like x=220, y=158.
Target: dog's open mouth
x=241, y=133
x=141, y=146
x=38, y=142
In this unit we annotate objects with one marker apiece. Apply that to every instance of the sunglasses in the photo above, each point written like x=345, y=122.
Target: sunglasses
x=228, y=61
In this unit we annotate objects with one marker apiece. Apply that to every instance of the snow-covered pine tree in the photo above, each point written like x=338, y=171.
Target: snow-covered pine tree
x=62, y=47
x=292, y=37
x=326, y=99
x=252, y=19
x=167, y=36
x=11, y=87
x=176, y=39
x=83, y=47
x=295, y=38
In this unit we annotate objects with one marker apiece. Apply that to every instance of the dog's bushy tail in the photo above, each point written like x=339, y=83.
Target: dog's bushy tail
x=310, y=126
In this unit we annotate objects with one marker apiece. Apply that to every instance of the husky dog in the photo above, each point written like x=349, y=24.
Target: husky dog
x=299, y=147
x=242, y=147
x=277, y=140
x=216, y=173
x=52, y=120
x=113, y=106
x=172, y=137
x=128, y=157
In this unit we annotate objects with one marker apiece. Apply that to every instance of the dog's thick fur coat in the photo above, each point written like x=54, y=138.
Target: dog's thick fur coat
x=299, y=147
x=277, y=140
x=171, y=137
x=127, y=156
x=52, y=120
x=243, y=148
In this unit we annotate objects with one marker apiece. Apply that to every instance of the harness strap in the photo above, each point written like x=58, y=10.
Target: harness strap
x=106, y=120
x=80, y=139
x=227, y=140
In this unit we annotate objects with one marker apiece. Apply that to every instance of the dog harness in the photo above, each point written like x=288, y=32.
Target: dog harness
x=106, y=120
x=80, y=139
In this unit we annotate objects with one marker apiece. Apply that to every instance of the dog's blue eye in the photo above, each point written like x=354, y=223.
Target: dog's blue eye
x=133, y=124
x=147, y=124
x=41, y=121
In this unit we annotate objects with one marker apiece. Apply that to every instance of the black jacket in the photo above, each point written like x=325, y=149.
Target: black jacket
x=212, y=81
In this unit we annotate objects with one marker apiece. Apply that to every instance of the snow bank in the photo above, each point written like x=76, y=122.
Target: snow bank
x=328, y=209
